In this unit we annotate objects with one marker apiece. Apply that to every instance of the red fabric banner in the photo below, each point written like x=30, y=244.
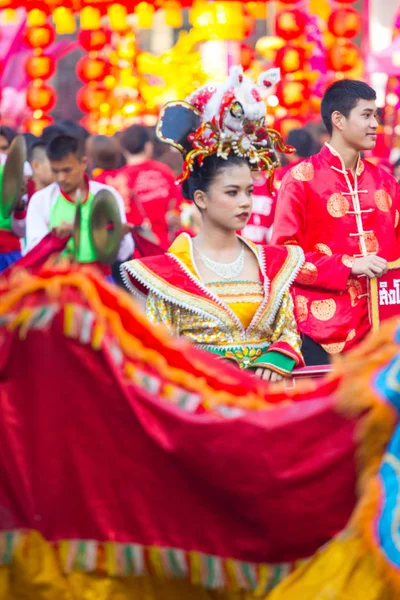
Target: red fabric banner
x=91, y=449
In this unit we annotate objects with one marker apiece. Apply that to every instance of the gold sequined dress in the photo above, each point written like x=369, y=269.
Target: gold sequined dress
x=251, y=323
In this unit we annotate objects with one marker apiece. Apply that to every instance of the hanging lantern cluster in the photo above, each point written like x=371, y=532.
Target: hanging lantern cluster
x=344, y=24
x=39, y=67
x=293, y=91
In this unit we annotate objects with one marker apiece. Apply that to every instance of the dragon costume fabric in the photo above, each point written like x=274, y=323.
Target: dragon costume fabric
x=134, y=465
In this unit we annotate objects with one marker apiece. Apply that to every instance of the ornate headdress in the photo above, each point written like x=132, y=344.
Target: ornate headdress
x=224, y=118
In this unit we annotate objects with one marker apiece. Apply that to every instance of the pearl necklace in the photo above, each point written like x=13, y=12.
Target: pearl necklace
x=224, y=270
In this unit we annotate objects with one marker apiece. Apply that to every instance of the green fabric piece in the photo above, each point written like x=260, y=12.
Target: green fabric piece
x=5, y=222
x=64, y=210
x=274, y=359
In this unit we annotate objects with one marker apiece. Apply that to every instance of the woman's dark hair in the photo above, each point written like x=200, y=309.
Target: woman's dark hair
x=202, y=177
x=7, y=133
x=343, y=96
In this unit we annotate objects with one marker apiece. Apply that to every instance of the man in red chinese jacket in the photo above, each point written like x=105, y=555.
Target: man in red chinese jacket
x=344, y=212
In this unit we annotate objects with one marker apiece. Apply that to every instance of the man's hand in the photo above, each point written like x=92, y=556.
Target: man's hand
x=63, y=230
x=371, y=266
x=126, y=228
x=268, y=375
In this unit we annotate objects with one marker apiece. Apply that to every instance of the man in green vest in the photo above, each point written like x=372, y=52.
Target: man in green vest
x=53, y=208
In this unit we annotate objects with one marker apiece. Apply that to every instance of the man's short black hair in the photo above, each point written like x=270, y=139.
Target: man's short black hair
x=343, y=96
x=302, y=141
x=62, y=146
x=134, y=139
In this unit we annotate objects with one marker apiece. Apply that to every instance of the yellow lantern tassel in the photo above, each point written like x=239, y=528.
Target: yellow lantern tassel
x=90, y=18
x=173, y=14
x=36, y=18
x=145, y=13
x=9, y=16
x=257, y=10
x=64, y=21
x=117, y=15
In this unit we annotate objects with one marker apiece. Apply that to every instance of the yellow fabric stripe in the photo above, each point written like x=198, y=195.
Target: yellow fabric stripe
x=109, y=549
x=231, y=570
x=195, y=568
x=68, y=320
x=263, y=572
x=97, y=337
x=156, y=561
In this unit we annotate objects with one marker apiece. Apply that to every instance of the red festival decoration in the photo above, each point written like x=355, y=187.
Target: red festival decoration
x=40, y=67
x=91, y=97
x=290, y=58
x=290, y=24
x=342, y=56
x=344, y=22
x=94, y=40
x=292, y=94
x=40, y=97
x=92, y=69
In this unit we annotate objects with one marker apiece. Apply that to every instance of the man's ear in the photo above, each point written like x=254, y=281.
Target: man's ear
x=84, y=161
x=199, y=198
x=338, y=120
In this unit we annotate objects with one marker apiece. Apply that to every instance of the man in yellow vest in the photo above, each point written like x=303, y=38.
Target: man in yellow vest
x=53, y=208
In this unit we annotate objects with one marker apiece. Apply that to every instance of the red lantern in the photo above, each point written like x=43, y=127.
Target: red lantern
x=290, y=58
x=342, y=56
x=90, y=98
x=40, y=67
x=40, y=37
x=292, y=94
x=288, y=1
x=36, y=126
x=344, y=22
x=94, y=40
x=290, y=24
x=247, y=56
x=92, y=69
x=40, y=97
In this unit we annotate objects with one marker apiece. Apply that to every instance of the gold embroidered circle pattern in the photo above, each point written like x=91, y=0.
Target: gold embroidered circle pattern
x=323, y=310
x=303, y=172
x=337, y=206
x=335, y=348
x=301, y=308
x=383, y=200
x=371, y=242
x=323, y=248
x=351, y=335
x=307, y=274
x=347, y=260
x=354, y=288
x=396, y=218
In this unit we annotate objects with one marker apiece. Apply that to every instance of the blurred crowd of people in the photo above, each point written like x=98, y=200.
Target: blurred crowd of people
x=143, y=170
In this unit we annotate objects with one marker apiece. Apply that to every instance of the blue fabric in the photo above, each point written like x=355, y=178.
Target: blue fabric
x=388, y=526
x=387, y=385
x=8, y=258
x=387, y=382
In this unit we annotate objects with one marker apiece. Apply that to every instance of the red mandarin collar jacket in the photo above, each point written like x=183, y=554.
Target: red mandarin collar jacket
x=336, y=217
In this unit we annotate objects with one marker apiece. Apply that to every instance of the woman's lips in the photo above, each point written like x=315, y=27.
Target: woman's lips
x=243, y=216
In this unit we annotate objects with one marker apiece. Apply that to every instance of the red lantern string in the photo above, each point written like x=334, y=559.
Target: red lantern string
x=40, y=96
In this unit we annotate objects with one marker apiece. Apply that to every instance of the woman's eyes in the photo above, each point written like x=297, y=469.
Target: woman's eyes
x=234, y=192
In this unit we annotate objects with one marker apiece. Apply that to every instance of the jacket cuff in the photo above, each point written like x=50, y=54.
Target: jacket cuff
x=276, y=361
